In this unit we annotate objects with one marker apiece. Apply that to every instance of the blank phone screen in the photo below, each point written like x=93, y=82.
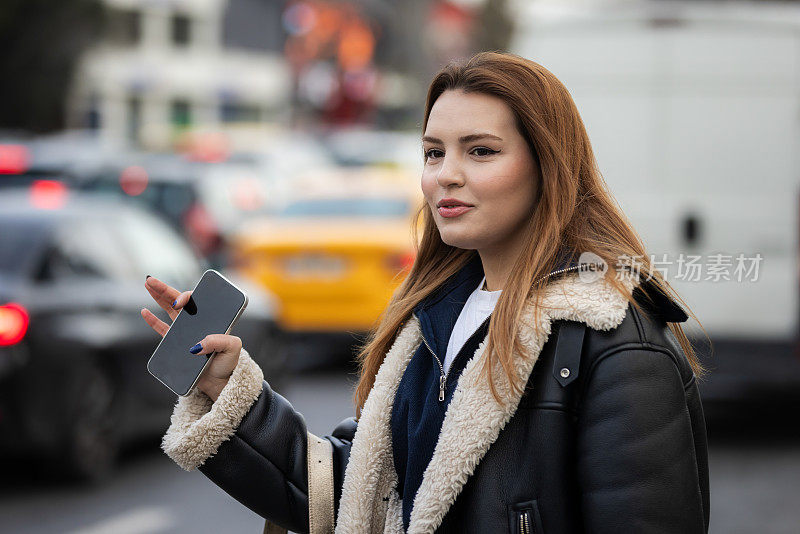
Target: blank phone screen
x=212, y=308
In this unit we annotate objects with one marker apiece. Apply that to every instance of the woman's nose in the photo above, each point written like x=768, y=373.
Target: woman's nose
x=450, y=172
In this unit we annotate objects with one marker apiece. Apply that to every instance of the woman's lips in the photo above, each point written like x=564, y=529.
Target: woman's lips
x=454, y=211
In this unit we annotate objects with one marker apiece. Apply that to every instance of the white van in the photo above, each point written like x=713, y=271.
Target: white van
x=693, y=110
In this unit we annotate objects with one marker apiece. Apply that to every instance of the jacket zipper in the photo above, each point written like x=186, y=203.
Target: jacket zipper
x=443, y=377
x=573, y=267
x=525, y=522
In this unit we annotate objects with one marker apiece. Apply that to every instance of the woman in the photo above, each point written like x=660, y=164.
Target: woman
x=508, y=386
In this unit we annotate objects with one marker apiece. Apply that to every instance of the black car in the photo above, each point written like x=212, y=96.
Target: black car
x=73, y=346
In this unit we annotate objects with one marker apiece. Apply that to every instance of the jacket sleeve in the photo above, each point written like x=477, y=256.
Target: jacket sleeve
x=637, y=464
x=252, y=444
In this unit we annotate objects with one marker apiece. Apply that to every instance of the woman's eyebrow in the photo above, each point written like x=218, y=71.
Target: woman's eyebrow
x=463, y=139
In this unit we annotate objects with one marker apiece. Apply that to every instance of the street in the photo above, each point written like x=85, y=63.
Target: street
x=340, y=162
x=754, y=476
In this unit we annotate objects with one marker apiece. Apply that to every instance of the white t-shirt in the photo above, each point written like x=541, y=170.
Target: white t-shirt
x=478, y=307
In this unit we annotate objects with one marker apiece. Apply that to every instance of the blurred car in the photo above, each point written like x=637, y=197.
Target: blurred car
x=178, y=190
x=285, y=157
x=334, y=254
x=74, y=386
x=360, y=147
x=203, y=193
x=203, y=200
x=63, y=157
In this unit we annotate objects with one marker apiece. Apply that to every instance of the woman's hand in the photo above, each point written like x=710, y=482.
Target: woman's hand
x=227, y=347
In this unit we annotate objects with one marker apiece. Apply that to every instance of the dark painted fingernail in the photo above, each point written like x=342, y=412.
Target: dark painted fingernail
x=197, y=348
x=174, y=302
x=146, y=277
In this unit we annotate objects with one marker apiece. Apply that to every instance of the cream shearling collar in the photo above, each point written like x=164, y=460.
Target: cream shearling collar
x=370, y=502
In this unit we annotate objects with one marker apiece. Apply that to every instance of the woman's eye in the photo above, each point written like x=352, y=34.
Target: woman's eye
x=483, y=151
x=433, y=153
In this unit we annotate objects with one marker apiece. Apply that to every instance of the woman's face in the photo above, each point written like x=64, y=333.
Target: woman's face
x=474, y=153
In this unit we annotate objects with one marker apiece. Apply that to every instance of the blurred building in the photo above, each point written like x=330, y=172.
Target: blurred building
x=164, y=69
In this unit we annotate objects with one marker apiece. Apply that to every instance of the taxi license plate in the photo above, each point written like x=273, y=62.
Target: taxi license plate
x=314, y=266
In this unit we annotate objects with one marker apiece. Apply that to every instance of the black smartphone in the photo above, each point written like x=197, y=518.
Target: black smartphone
x=213, y=307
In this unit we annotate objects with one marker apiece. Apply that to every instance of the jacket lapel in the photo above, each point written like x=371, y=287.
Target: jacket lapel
x=473, y=420
x=370, y=478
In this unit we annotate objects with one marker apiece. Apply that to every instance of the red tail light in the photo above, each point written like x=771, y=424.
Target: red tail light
x=48, y=194
x=13, y=323
x=14, y=159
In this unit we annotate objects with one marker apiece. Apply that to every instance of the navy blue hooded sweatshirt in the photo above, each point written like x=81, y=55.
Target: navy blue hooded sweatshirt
x=417, y=413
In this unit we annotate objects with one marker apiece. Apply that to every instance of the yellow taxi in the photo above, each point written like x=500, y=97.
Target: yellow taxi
x=336, y=250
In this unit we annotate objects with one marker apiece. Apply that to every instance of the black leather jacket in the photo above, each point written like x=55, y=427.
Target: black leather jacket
x=619, y=446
